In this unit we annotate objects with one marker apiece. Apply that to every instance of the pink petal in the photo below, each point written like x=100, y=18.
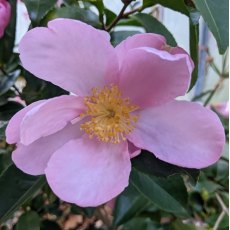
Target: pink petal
x=70, y=54
x=13, y=127
x=32, y=159
x=133, y=150
x=49, y=117
x=88, y=172
x=139, y=40
x=5, y=14
x=151, y=77
x=181, y=133
x=179, y=50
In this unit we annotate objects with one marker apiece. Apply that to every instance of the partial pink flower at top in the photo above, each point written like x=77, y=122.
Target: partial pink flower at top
x=222, y=108
x=124, y=103
x=5, y=13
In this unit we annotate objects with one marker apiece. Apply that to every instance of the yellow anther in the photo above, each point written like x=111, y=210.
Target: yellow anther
x=110, y=117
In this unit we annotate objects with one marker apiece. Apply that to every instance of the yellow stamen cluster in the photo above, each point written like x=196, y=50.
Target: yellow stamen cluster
x=110, y=118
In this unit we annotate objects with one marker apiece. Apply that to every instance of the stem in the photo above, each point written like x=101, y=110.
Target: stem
x=219, y=219
x=201, y=95
x=221, y=202
x=125, y=15
x=214, y=91
x=120, y=15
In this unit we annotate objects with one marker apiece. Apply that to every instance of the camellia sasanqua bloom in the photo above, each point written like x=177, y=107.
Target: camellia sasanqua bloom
x=5, y=13
x=124, y=101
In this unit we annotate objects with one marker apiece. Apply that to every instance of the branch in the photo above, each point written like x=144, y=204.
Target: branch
x=120, y=15
x=223, y=206
x=219, y=219
x=219, y=83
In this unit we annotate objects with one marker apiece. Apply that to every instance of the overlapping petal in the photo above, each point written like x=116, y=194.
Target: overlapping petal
x=88, y=172
x=181, y=133
x=13, y=127
x=139, y=40
x=151, y=77
x=70, y=54
x=49, y=117
x=32, y=159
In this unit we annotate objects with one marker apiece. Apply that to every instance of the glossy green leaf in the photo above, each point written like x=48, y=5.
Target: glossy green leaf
x=3, y=125
x=168, y=194
x=49, y=225
x=152, y=25
x=119, y=36
x=147, y=163
x=178, y=225
x=216, y=15
x=99, y=5
x=89, y=211
x=140, y=223
x=178, y=5
x=16, y=188
x=37, y=9
x=37, y=89
x=128, y=204
x=74, y=12
x=9, y=109
x=28, y=221
x=6, y=82
x=110, y=16
x=194, y=51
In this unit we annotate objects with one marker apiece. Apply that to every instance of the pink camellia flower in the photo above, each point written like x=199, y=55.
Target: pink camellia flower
x=5, y=13
x=123, y=102
x=222, y=108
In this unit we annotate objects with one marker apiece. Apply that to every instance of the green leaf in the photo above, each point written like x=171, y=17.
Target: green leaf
x=177, y=5
x=9, y=109
x=6, y=82
x=110, y=16
x=16, y=188
x=28, y=221
x=49, y=225
x=89, y=211
x=194, y=51
x=215, y=13
x=7, y=41
x=128, y=204
x=37, y=9
x=37, y=89
x=99, y=5
x=140, y=223
x=3, y=125
x=152, y=25
x=168, y=194
x=147, y=163
x=74, y=12
x=119, y=36
x=178, y=225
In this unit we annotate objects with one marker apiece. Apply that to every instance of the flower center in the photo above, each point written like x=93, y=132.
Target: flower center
x=110, y=115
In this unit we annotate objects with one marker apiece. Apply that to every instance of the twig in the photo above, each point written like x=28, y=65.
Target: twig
x=222, y=214
x=201, y=95
x=219, y=219
x=219, y=83
x=223, y=206
x=125, y=15
x=120, y=15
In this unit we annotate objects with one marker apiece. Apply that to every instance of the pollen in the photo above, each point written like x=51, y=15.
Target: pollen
x=109, y=116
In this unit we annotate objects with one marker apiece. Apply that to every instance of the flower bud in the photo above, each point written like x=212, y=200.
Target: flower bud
x=5, y=13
